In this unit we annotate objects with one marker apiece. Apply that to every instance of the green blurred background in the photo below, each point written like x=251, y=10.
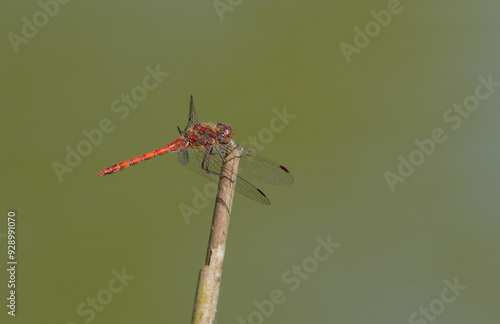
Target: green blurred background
x=352, y=121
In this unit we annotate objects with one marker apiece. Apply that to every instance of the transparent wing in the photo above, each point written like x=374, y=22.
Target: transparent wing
x=193, y=160
x=256, y=167
x=193, y=117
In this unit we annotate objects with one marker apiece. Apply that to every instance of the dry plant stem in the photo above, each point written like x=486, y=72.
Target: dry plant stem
x=209, y=280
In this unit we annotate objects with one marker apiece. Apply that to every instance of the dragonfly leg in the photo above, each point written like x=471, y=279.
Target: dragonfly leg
x=205, y=165
x=227, y=151
x=222, y=155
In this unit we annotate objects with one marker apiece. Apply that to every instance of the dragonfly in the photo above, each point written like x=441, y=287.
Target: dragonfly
x=203, y=147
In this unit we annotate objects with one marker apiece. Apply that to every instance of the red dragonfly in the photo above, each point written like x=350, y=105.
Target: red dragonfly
x=202, y=148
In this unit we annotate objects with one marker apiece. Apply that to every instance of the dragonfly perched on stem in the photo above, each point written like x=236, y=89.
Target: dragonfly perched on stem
x=203, y=147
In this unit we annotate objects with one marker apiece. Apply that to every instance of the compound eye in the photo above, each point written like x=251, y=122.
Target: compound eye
x=226, y=133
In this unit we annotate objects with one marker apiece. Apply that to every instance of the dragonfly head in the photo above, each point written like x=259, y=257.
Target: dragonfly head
x=225, y=133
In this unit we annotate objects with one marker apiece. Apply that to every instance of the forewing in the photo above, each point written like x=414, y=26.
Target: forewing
x=256, y=167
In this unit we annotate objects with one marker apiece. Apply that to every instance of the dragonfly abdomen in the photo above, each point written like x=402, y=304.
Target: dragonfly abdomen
x=175, y=146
